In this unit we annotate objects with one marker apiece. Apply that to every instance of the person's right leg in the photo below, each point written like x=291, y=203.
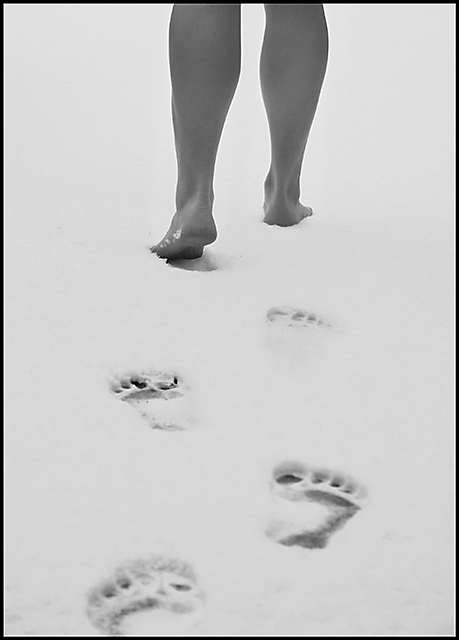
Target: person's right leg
x=205, y=56
x=292, y=69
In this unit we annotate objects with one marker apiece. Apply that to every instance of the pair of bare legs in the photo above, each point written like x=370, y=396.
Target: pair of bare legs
x=205, y=57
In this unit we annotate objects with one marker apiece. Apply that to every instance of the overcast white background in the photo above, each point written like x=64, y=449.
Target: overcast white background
x=90, y=177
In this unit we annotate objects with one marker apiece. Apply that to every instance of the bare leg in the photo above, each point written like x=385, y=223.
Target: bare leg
x=205, y=59
x=292, y=69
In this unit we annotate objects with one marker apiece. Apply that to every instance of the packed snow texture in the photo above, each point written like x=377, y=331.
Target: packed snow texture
x=90, y=176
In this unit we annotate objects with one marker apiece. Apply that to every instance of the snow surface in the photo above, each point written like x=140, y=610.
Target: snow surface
x=90, y=178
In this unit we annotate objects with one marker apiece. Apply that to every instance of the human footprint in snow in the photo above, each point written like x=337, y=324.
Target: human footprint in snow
x=311, y=503
x=162, y=398
x=148, y=596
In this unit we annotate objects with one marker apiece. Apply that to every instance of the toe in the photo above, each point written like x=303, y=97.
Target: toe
x=138, y=383
x=124, y=582
x=337, y=481
x=319, y=477
x=114, y=386
x=276, y=313
x=289, y=478
x=350, y=486
x=300, y=315
x=109, y=590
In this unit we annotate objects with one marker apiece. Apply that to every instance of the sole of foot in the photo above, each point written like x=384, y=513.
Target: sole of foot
x=187, y=237
x=311, y=503
x=162, y=398
x=171, y=253
x=151, y=596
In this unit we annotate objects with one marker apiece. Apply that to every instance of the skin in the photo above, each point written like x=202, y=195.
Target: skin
x=205, y=60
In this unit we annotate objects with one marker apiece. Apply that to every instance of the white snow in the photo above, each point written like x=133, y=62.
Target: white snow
x=90, y=178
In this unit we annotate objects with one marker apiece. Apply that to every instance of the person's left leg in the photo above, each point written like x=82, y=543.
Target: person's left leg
x=205, y=57
x=292, y=69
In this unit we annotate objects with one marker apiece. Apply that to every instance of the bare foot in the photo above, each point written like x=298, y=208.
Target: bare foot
x=285, y=214
x=283, y=209
x=191, y=229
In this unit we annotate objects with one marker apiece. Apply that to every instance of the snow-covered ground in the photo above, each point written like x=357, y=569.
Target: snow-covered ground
x=90, y=174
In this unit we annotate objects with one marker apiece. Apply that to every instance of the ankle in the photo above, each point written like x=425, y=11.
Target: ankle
x=195, y=197
x=281, y=190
